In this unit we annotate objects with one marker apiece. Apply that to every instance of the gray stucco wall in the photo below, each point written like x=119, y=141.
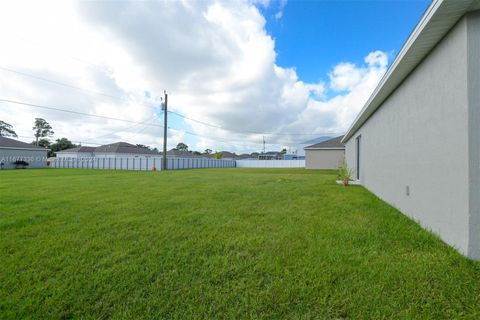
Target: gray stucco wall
x=473, y=59
x=34, y=158
x=419, y=140
x=323, y=159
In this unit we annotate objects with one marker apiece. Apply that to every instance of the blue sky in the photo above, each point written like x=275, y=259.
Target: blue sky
x=313, y=36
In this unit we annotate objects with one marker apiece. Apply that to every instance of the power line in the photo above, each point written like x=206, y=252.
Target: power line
x=172, y=112
x=59, y=83
x=73, y=112
x=126, y=129
x=77, y=141
x=104, y=117
x=249, y=132
x=142, y=128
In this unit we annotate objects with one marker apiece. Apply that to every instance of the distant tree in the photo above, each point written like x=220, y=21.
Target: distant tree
x=197, y=153
x=208, y=151
x=144, y=146
x=182, y=146
x=147, y=147
x=284, y=151
x=62, y=144
x=44, y=143
x=218, y=155
x=6, y=130
x=42, y=129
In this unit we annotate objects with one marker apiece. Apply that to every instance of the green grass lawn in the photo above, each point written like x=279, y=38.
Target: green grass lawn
x=218, y=243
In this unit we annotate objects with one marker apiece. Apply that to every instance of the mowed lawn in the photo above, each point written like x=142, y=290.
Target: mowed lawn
x=218, y=244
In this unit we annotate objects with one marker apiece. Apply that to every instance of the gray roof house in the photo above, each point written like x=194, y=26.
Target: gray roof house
x=13, y=150
x=325, y=155
x=175, y=153
x=78, y=152
x=123, y=149
x=113, y=150
x=416, y=142
x=270, y=155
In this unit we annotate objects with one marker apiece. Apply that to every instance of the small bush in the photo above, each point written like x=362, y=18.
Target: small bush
x=20, y=164
x=345, y=173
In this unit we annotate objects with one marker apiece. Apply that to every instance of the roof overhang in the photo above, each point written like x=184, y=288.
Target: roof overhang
x=29, y=149
x=437, y=20
x=324, y=148
x=64, y=151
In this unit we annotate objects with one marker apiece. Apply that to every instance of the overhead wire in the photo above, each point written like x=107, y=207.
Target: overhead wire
x=170, y=111
x=248, y=132
x=71, y=111
x=107, y=117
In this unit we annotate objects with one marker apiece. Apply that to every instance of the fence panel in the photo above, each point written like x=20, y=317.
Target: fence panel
x=141, y=163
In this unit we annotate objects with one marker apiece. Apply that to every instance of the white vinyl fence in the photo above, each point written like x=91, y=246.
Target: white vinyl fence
x=270, y=163
x=139, y=163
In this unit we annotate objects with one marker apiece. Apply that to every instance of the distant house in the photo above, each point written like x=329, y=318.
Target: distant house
x=289, y=156
x=325, y=155
x=78, y=152
x=247, y=156
x=114, y=150
x=270, y=155
x=175, y=153
x=300, y=148
x=227, y=155
x=13, y=150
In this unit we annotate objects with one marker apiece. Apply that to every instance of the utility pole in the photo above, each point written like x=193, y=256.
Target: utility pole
x=263, y=144
x=165, y=126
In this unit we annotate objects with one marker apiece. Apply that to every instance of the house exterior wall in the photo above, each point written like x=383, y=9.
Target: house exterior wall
x=473, y=60
x=414, y=150
x=323, y=159
x=34, y=158
x=74, y=155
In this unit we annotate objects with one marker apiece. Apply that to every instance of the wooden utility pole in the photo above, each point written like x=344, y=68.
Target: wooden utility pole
x=165, y=126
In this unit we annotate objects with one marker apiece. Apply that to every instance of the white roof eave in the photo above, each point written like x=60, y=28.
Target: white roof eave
x=437, y=20
x=337, y=148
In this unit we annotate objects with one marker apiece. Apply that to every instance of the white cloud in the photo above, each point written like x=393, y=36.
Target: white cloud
x=346, y=76
x=215, y=58
x=281, y=6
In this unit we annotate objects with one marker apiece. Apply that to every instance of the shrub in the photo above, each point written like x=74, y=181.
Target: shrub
x=345, y=173
x=20, y=164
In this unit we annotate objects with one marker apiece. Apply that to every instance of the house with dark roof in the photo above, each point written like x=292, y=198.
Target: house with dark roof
x=78, y=152
x=226, y=155
x=12, y=150
x=124, y=150
x=325, y=155
x=416, y=142
x=175, y=153
x=270, y=155
x=113, y=150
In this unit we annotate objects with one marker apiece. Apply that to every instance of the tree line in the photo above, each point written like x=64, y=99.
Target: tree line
x=42, y=131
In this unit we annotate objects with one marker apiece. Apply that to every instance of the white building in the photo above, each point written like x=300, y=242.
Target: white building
x=12, y=151
x=416, y=142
